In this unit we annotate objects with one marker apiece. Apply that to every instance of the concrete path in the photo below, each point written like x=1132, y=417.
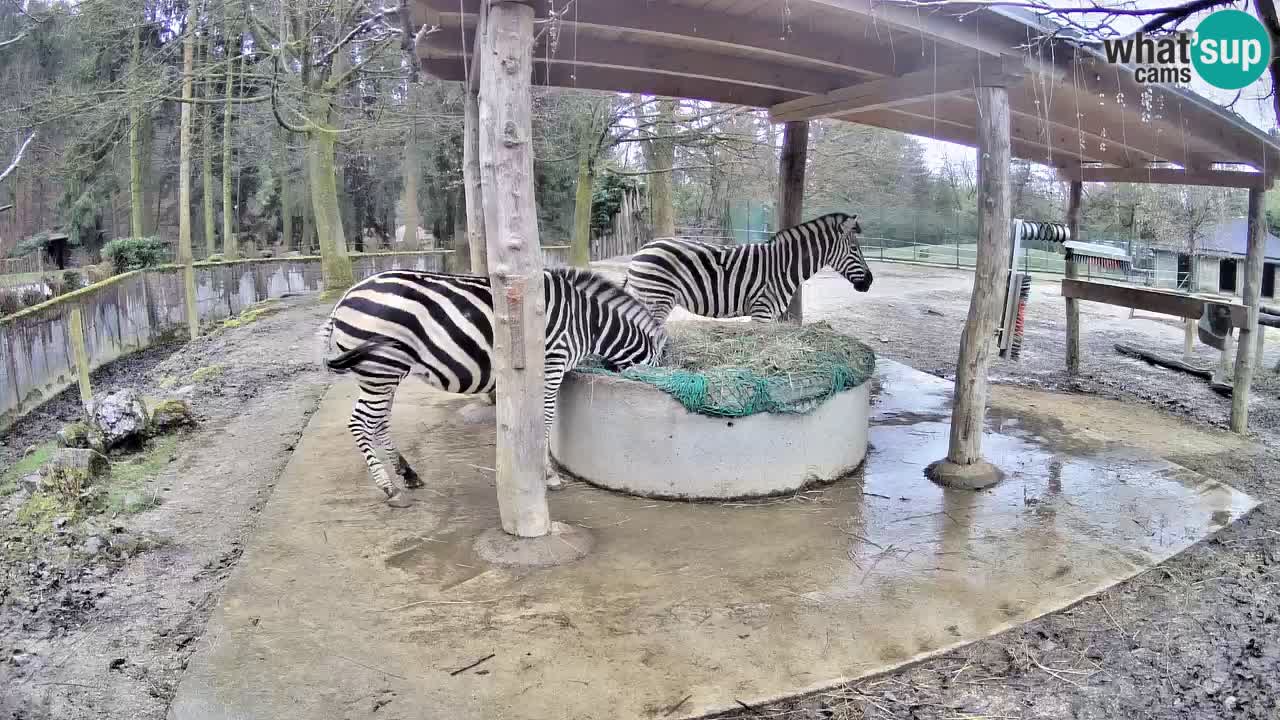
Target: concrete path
x=344, y=608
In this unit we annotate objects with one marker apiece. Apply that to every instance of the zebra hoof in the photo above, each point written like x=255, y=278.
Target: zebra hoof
x=399, y=500
x=554, y=481
x=411, y=479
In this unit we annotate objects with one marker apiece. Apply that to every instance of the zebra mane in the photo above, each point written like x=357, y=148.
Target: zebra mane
x=601, y=289
x=831, y=220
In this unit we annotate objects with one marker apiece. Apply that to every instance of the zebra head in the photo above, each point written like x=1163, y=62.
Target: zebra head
x=846, y=258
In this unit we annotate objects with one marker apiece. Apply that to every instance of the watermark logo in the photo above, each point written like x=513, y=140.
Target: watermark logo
x=1230, y=49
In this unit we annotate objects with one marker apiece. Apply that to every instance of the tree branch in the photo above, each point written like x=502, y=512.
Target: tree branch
x=12, y=40
x=358, y=29
x=18, y=158
x=1267, y=10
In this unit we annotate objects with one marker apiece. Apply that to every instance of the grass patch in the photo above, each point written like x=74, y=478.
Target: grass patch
x=251, y=314
x=39, y=511
x=25, y=466
x=208, y=372
x=126, y=492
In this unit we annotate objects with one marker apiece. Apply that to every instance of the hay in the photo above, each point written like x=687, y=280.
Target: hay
x=740, y=369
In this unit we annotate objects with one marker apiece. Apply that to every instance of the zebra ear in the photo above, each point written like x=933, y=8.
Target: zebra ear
x=850, y=225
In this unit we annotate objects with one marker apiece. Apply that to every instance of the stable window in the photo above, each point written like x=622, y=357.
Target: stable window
x=1227, y=275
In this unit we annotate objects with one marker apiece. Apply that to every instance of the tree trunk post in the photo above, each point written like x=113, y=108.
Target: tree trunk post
x=1074, y=195
x=791, y=166
x=964, y=467
x=515, y=265
x=1245, y=348
x=1188, y=340
x=471, y=185
x=75, y=329
x=185, y=254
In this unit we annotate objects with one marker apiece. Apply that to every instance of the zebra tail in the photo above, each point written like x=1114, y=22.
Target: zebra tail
x=349, y=359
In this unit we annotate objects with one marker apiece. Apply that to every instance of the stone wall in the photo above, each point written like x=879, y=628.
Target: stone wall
x=132, y=311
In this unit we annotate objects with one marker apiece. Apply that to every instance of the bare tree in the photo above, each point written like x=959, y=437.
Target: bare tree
x=17, y=158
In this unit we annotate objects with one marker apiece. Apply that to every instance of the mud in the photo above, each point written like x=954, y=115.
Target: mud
x=107, y=635
x=1199, y=636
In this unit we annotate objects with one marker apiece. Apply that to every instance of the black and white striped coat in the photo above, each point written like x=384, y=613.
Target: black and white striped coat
x=757, y=280
x=440, y=327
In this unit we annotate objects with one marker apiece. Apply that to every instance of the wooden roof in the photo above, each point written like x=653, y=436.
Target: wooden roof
x=869, y=62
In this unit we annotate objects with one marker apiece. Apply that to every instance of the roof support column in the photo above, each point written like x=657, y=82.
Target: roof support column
x=1074, y=194
x=791, y=166
x=471, y=187
x=964, y=467
x=1252, y=297
x=515, y=265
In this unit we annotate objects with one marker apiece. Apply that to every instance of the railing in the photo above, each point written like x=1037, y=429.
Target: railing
x=965, y=255
x=25, y=270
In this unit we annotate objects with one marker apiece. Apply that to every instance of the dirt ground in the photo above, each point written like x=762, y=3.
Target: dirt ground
x=108, y=635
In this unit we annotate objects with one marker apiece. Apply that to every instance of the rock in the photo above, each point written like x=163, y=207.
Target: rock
x=185, y=391
x=116, y=663
x=121, y=417
x=71, y=471
x=171, y=414
x=30, y=483
x=31, y=449
x=61, y=521
x=93, y=545
x=883, y=339
x=75, y=435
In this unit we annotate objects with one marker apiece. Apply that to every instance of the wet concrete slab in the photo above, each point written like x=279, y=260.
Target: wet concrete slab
x=343, y=608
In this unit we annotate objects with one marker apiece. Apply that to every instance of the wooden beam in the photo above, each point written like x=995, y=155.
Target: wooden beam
x=515, y=264
x=1026, y=141
x=1074, y=195
x=901, y=90
x=685, y=27
x=964, y=465
x=1164, y=302
x=624, y=51
x=1166, y=176
x=1252, y=299
x=592, y=77
x=791, y=166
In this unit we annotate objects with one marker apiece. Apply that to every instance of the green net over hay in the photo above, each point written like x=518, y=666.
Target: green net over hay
x=737, y=369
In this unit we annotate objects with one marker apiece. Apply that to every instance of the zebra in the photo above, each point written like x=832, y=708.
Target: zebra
x=440, y=327
x=757, y=280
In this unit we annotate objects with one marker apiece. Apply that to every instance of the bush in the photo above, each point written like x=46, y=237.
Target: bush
x=12, y=301
x=72, y=280
x=128, y=254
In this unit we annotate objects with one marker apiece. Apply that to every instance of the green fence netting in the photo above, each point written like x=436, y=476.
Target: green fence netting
x=737, y=369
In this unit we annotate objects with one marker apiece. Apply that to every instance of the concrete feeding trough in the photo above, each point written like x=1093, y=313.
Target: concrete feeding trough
x=705, y=427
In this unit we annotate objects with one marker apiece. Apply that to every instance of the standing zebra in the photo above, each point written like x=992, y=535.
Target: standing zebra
x=757, y=280
x=440, y=327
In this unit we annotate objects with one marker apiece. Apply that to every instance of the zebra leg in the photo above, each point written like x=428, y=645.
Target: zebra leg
x=554, y=375
x=383, y=433
x=369, y=420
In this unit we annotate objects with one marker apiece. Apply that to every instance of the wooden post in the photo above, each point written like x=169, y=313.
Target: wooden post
x=80, y=352
x=1069, y=270
x=185, y=256
x=1189, y=340
x=1262, y=342
x=515, y=264
x=795, y=150
x=471, y=185
x=1252, y=297
x=964, y=466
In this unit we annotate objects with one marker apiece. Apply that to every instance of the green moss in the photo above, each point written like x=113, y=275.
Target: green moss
x=25, y=466
x=208, y=372
x=167, y=382
x=251, y=314
x=126, y=492
x=37, y=514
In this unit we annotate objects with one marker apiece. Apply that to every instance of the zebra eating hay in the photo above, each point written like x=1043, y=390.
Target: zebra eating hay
x=440, y=327
x=757, y=280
